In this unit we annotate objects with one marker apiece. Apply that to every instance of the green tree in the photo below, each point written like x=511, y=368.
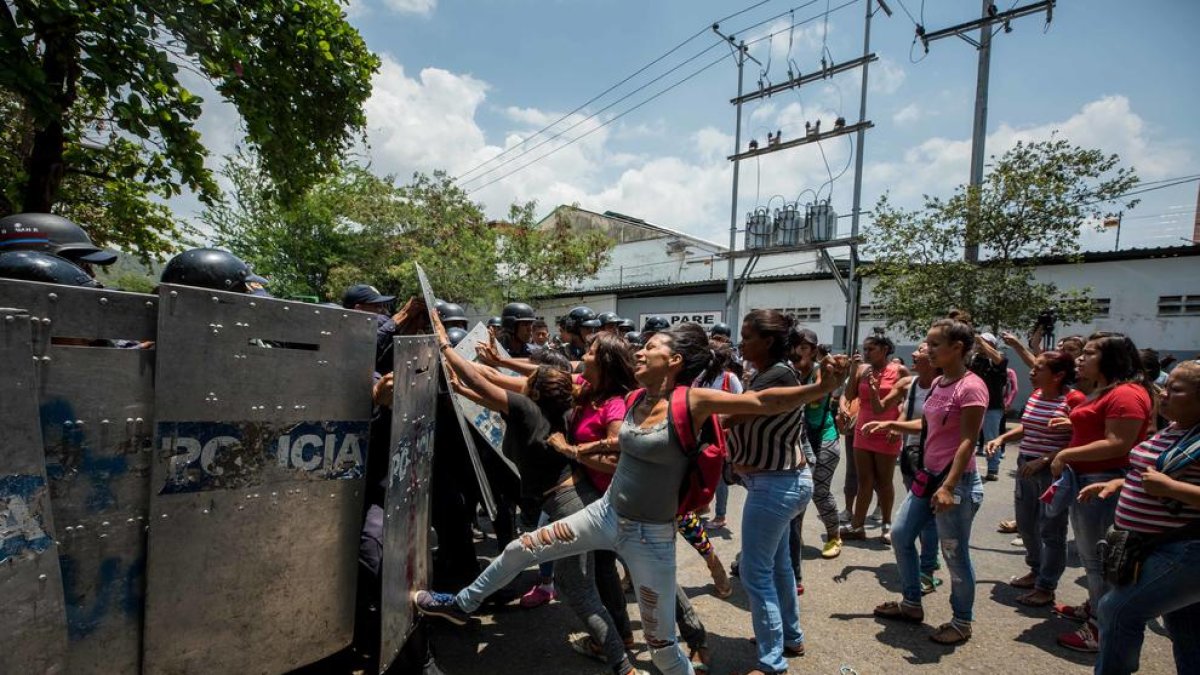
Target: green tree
x=98, y=95
x=1033, y=204
x=356, y=227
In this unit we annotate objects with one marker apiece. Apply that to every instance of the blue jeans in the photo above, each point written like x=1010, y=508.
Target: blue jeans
x=773, y=499
x=928, y=539
x=992, y=419
x=648, y=549
x=954, y=529
x=722, y=498
x=1167, y=586
x=1090, y=522
x=1045, y=538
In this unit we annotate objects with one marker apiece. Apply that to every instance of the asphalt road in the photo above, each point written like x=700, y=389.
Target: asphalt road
x=835, y=614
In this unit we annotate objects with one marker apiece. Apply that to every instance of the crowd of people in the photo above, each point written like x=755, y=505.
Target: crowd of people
x=614, y=432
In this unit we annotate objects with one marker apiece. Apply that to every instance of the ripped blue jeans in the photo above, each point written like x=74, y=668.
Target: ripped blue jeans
x=648, y=549
x=954, y=531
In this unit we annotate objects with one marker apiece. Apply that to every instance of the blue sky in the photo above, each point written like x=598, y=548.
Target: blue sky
x=463, y=81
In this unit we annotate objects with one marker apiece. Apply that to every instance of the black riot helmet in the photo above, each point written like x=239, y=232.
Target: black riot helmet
x=53, y=234
x=721, y=329
x=576, y=317
x=607, y=318
x=634, y=338
x=452, y=314
x=208, y=268
x=455, y=335
x=43, y=267
x=626, y=326
x=495, y=322
x=516, y=312
x=438, y=304
x=654, y=324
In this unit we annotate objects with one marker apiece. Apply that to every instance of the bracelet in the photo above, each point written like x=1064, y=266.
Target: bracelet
x=444, y=346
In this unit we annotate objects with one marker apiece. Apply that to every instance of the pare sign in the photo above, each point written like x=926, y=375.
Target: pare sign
x=706, y=319
x=216, y=456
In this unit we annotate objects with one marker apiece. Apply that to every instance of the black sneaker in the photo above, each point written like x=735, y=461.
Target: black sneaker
x=991, y=477
x=442, y=606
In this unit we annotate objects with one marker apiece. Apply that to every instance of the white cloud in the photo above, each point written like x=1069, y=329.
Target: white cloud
x=422, y=7
x=907, y=115
x=938, y=164
x=885, y=77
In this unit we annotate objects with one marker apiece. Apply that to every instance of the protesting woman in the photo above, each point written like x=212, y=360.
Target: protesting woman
x=1159, y=506
x=601, y=388
x=874, y=385
x=823, y=438
x=636, y=517
x=1104, y=428
x=1044, y=535
x=946, y=485
x=767, y=453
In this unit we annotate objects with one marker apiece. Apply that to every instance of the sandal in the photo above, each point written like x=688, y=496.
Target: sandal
x=950, y=634
x=586, y=646
x=1026, y=582
x=894, y=610
x=702, y=665
x=788, y=652
x=1027, y=599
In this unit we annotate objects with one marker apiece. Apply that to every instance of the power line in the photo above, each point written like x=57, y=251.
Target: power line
x=597, y=128
x=606, y=91
x=638, y=105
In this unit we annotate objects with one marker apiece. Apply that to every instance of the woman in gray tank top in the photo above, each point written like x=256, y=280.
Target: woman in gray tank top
x=636, y=517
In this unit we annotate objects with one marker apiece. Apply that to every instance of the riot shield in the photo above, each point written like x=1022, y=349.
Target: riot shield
x=257, y=483
x=33, y=627
x=488, y=423
x=406, y=509
x=96, y=409
x=485, y=488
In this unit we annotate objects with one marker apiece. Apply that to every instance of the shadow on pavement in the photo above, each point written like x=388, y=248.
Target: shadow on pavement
x=887, y=574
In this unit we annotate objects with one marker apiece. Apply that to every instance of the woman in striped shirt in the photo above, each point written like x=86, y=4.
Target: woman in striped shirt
x=768, y=455
x=1158, y=499
x=1045, y=537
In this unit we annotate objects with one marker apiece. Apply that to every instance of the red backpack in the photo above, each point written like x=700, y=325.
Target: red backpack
x=706, y=451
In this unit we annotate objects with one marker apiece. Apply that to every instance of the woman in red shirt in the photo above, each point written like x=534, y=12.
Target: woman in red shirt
x=1104, y=428
x=875, y=385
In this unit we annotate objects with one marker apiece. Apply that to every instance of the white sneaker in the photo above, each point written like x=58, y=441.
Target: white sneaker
x=1018, y=542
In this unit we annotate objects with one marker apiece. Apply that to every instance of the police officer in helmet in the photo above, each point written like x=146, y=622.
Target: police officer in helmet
x=452, y=315
x=653, y=325
x=609, y=322
x=517, y=329
x=23, y=265
x=575, y=328
x=210, y=268
x=55, y=235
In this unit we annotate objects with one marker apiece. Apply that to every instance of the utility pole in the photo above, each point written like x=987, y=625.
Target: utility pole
x=984, y=46
x=854, y=294
x=741, y=53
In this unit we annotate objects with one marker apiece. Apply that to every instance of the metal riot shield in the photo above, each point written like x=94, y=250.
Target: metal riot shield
x=488, y=423
x=406, y=509
x=95, y=392
x=485, y=488
x=33, y=627
x=257, y=485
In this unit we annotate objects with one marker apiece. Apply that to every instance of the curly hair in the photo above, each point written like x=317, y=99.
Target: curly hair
x=553, y=392
x=614, y=361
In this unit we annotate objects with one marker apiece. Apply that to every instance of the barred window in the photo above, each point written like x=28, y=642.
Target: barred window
x=1101, y=307
x=1179, y=305
x=870, y=313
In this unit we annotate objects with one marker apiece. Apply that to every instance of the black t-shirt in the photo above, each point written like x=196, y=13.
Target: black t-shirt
x=995, y=376
x=540, y=465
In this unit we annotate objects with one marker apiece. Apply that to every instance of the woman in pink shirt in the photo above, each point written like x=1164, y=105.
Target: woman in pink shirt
x=946, y=486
